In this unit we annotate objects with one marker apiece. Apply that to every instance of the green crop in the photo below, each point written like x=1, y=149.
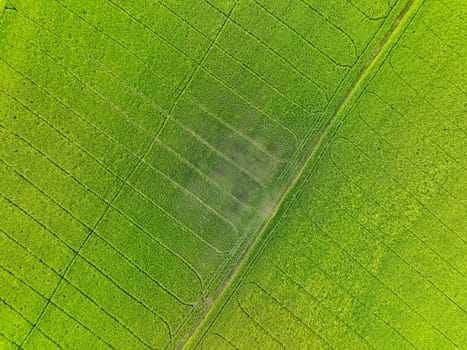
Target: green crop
x=222, y=174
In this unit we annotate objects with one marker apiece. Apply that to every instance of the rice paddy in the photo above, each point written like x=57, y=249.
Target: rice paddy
x=225, y=174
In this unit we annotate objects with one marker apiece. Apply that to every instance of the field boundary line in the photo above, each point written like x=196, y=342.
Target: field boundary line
x=51, y=302
x=368, y=42
x=93, y=265
x=184, y=262
x=7, y=338
x=422, y=316
x=182, y=189
x=3, y=8
x=312, y=129
x=100, y=236
x=168, y=115
x=118, y=177
x=364, y=13
x=148, y=133
x=76, y=253
x=226, y=340
x=85, y=259
x=122, y=181
x=174, y=104
x=203, y=57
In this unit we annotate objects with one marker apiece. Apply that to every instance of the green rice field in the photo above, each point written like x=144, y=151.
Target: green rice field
x=233, y=174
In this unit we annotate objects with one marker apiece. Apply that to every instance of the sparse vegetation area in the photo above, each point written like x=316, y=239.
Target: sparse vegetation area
x=224, y=174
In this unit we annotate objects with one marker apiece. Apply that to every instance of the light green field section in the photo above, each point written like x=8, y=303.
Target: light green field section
x=147, y=143
x=369, y=249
